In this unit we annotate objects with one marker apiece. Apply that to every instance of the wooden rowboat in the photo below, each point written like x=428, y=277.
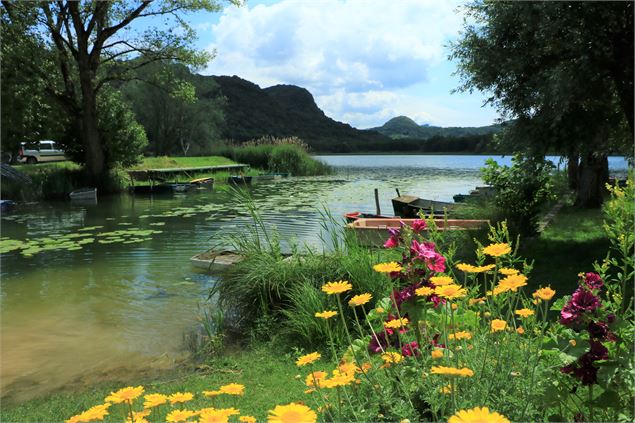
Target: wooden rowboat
x=215, y=261
x=353, y=216
x=408, y=206
x=84, y=194
x=374, y=232
x=239, y=180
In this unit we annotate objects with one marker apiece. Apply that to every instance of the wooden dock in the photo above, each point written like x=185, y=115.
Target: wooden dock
x=163, y=174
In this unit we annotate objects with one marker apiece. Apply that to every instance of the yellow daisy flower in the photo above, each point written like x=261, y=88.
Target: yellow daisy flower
x=361, y=299
x=450, y=291
x=292, y=413
x=153, y=400
x=308, y=359
x=477, y=415
x=460, y=335
x=247, y=419
x=544, y=293
x=176, y=416
x=337, y=287
x=437, y=353
x=513, y=282
x=125, y=394
x=391, y=357
x=498, y=325
x=497, y=250
x=326, y=314
x=507, y=271
x=387, y=267
x=424, y=291
x=313, y=379
x=180, y=397
x=233, y=389
x=451, y=371
x=396, y=323
x=441, y=280
x=524, y=312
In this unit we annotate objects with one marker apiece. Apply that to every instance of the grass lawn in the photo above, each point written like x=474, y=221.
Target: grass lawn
x=165, y=162
x=268, y=376
x=568, y=246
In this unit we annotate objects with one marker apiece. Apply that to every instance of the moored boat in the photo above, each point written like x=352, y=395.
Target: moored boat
x=6, y=205
x=203, y=182
x=215, y=261
x=84, y=194
x=374, y=232
x=239, y=180
x=353, y=216
x=408, y=206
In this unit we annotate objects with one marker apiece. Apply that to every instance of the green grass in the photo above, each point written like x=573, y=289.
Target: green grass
x=165, y=162
x=267, y=374
x=568, y=246
x=30, y=169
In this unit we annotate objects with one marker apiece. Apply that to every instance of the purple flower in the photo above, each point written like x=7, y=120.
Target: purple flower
x=378, y=343
x=597, y=351
x=411, y=349
x=405, y=294
x=393, y=241
x=570, y=315
x=419, y=225
x=610, y=318
x=582, y=369
x=598, y=330
x=584, y=300
x=593, y=280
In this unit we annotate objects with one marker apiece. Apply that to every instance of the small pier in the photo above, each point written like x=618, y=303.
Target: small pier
x=164, y=174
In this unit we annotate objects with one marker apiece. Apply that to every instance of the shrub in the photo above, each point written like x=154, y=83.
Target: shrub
x=521, y=190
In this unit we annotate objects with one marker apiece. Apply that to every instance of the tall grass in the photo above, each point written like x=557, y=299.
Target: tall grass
x=283, y=291
x=275, y=155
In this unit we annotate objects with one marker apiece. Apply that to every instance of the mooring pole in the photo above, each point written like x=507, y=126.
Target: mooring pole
x=377, y=209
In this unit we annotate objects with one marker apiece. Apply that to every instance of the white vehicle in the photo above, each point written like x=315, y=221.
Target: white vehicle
x=40, y=151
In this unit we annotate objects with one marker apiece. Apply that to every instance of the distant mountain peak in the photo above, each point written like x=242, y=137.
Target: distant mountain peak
x=404, y=127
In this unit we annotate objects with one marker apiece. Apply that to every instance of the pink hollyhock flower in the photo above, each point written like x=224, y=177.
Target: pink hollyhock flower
x=393, y=241
x=584, y=300
x=436, y=263
x=411, y=349
x=593, y=280
x=423, y=250
x=419, y=225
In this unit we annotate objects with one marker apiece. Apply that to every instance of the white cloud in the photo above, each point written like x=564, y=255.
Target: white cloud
x=355, y=56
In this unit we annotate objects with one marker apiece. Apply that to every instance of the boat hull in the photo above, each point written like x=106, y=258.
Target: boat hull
x=84, y=194
x=374, y=232
x=408, y=206
x=215, y=261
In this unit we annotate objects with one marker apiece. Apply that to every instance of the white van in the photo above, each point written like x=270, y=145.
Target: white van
x=40, y=151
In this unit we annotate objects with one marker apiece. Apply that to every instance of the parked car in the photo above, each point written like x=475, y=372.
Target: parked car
x=40, y=151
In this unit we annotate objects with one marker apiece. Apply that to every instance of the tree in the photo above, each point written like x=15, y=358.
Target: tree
x=180, y=112
x=96, y=43
x=562, y=70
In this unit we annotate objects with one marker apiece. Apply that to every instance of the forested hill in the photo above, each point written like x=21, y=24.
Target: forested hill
x=280, y=111
x=404, y=127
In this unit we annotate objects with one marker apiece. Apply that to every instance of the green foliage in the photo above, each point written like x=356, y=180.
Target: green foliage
x=521, y=190
x=180, y=111
x=286, y=155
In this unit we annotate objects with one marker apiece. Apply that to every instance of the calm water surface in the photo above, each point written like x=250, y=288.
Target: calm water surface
x=76, y=315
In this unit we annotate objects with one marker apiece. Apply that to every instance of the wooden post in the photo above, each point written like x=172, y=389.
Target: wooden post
x=377, y=209
x=398, y=194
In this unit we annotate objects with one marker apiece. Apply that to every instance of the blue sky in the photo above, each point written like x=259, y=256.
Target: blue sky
x=364, y=61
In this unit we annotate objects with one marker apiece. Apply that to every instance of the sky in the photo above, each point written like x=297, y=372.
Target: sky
x=364, y=61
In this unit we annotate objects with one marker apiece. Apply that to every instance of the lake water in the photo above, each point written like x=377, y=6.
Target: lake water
x=107, y=290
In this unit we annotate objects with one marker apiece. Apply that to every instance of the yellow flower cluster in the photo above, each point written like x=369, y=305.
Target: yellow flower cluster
x=391, y=357
x=97, y=412
x=498, y=325
x=460, y=335
x=424, y=291
x=396, y=323
x=125, y=395
x=292, y=413
x=544, y=293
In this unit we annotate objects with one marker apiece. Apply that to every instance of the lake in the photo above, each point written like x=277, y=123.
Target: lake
x=106, y=290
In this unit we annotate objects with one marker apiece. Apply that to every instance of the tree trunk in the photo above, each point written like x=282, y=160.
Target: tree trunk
x=573, y=170
x=593, y=177
x=93, y=149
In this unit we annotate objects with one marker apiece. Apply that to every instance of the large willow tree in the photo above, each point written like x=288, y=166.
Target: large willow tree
x=563, y=71
x=94, y=43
